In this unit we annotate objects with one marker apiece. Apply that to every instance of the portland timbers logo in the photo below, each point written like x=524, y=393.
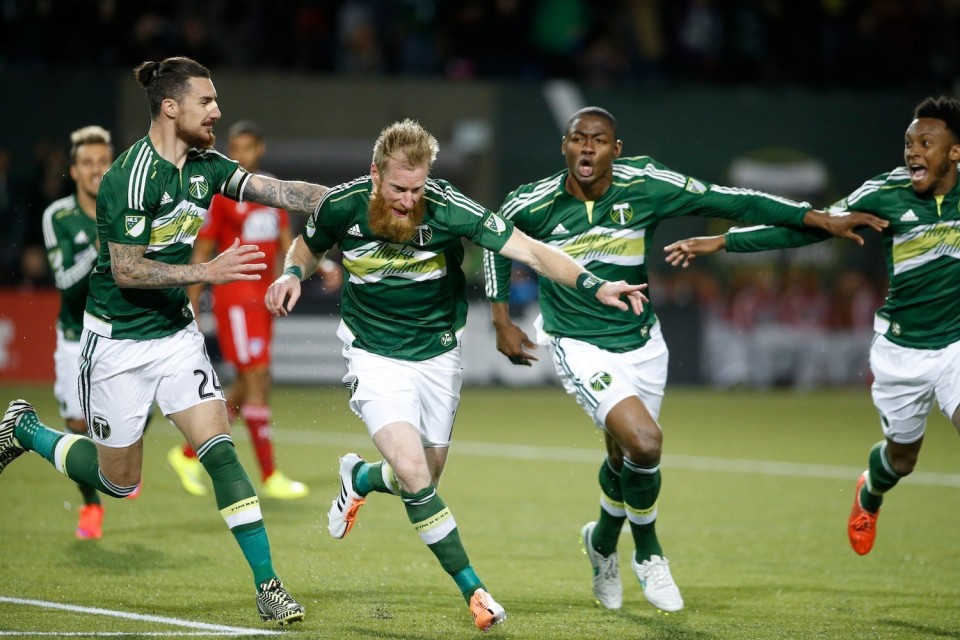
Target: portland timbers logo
x=422, y=235
x=446, y=338
x=100, y=427
x=600, y=381
x=621, y=213
x=199, y=187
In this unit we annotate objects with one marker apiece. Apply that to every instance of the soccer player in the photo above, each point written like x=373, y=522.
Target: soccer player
x=602, y=210
x=140, y=343
x=244, y=326
x=403, y=309
x=70, y=235
x=915, y=353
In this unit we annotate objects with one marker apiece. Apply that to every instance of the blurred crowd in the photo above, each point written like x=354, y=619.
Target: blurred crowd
x=850, y=43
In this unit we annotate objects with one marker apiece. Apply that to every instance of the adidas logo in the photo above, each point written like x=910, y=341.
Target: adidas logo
x=81, y=237
x=909, y=216
x=354, y=231
x=166, y=199
x=559, y=230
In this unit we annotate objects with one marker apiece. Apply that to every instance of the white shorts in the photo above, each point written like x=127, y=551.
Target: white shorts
x=599, y=379
x=906, y=383
x=426, y=394
x=66, y=364
x=120, y=379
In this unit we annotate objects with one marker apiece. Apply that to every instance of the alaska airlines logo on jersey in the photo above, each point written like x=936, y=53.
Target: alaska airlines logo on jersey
x=924, y=243
x=134, y=225
x=375, y=261
x=495, y=223
x=199, y=187
x=614, y=246
x=180, y=225
x=621, y=213
x=695, y=186
x=600, y=381
x=422, y=235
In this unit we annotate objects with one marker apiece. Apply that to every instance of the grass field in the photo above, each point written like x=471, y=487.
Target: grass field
x=756, y=493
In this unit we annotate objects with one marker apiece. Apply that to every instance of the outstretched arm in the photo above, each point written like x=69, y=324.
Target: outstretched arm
x=292, y=195
x=843, y=223
x=283, y=294
x=131, y=270
x=682, y=252
x=564, y=270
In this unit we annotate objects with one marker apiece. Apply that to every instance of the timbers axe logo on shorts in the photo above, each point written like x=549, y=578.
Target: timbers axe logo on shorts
x=199, y=187
x=135, y=225
x=100, y=427
x=495, y=223
x=600, y=381
x=621, y=213
x=446, y=338
x=422, y=235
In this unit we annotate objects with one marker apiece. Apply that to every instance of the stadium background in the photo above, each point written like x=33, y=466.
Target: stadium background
x=805, y=100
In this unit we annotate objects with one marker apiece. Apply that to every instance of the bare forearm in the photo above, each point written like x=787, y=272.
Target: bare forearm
x=294, y=196
x=542, y=258
x=299, y=255
x=133, y=271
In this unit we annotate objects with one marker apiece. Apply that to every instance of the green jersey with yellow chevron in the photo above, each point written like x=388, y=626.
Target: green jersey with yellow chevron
x=612, y=236
x=922, y=246
x=147, y=201
x=405, y=301
x=70, y=236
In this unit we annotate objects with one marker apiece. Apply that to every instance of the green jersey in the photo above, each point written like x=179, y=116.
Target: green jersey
x=70, y=236
x=404, y=301
x=147, y=201
x=611, y=237
x=922, y=246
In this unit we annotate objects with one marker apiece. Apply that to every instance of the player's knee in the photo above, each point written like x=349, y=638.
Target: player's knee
x=221, y=456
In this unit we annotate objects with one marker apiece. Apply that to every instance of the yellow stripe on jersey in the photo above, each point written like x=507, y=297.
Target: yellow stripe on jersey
x=925, y=244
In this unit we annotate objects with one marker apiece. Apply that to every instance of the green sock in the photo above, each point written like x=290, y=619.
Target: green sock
x=435, y=525
x=90, y=495
x=606, y=534
x=880, y=478
x=369, y=477
x=238, y=504
x=33, y=435
x=641, y=487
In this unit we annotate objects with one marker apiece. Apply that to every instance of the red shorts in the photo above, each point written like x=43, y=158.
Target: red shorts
x=244, y=332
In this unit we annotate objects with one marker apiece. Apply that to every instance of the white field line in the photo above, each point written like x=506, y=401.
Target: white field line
x=593, y=456
x=198, y=628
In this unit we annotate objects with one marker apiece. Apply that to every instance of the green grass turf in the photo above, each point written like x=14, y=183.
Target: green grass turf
x=756, y=492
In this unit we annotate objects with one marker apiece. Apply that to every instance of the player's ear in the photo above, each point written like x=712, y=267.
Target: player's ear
x=617, y=148
x=169, y=107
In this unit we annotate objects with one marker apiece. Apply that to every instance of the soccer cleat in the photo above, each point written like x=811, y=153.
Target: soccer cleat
x=90, y=526
x=274, y=603
x=658, y=586
x=343, y=510
x=280, y=486
x=486, y=611
x=862, y=525
x=607, y=588
x=189, y=471
x=10, y=449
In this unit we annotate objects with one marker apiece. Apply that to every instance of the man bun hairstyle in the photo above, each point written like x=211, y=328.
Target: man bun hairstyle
x=92, y=134
x=942, y=108
x=168, y=78
x=407, y=138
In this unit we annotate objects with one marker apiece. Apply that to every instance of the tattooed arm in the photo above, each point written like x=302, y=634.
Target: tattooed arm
x=131, y=270
x=294, y=196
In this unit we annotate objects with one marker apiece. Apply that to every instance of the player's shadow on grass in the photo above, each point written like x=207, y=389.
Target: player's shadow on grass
x=927, y=631
x=132, y=558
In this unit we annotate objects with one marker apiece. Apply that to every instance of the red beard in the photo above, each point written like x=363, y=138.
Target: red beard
x=196, y=139
x=390, y=227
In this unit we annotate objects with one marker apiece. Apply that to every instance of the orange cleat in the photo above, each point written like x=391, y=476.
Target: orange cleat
x=486, y=612
x=90, y=526
x=862, y=526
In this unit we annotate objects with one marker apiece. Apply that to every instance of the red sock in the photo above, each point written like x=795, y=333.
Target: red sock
x=257, y=417
x=188, y=451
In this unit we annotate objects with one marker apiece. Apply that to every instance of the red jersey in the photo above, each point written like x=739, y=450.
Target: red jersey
x=253, y=223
